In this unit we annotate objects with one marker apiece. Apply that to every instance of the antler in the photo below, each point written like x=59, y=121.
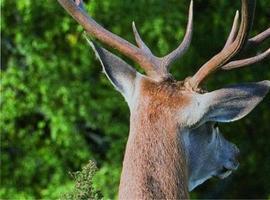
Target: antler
x=76, y=10
x=249, y=61
x=237, y=41
x=183, y=47
x=154, y=67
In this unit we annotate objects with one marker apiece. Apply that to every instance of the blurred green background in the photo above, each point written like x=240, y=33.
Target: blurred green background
x=58, y=110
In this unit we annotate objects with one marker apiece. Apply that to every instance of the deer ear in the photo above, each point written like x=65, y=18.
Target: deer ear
x=120, y=74
x=233, y=102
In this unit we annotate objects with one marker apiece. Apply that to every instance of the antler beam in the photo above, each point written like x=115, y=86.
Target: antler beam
x=231, y=50
x=236, y=42
x=154, y=67
x=76, y=10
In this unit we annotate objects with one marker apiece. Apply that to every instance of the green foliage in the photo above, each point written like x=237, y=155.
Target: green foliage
x=83, y=188
x=58, y=110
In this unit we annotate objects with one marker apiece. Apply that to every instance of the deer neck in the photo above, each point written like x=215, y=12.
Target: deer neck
x=154, y=165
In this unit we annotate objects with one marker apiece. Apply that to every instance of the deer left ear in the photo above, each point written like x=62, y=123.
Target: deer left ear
x=120, y=74
x=234, y=102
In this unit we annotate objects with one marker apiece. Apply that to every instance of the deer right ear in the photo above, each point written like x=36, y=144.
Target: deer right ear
x=233, y=102
x=120, y=74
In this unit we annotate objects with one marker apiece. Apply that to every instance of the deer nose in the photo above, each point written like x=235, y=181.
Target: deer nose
x=232, y=162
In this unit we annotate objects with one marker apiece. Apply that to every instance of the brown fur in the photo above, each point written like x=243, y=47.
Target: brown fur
x=154, y=165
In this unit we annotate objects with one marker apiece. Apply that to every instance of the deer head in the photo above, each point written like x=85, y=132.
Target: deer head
x=174, y=143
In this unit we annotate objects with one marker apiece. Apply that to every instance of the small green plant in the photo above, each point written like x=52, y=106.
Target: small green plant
x=83, y=188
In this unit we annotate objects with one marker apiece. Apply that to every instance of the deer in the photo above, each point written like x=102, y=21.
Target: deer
x=174, y=142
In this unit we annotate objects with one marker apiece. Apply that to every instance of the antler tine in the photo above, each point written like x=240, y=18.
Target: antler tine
x=247, y=61
x=254, y=41
x=234, y=30
x=259, y=38
x=247, y=11
x=139, y=41
x=183, y=47
x=75, y=9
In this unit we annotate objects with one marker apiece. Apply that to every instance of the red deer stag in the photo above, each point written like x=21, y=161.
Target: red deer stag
x=174, y=143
